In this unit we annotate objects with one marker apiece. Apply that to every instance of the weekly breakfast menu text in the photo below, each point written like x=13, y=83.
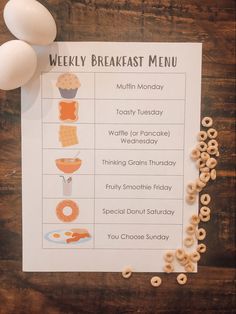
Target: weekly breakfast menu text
x=107, y=129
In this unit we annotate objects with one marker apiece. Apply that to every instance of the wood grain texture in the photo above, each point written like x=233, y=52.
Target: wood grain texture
x=212, y=290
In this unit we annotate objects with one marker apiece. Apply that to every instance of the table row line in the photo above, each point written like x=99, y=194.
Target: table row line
x=112, y=211
x=122, y=162
x=104, y=186
x=114, y=85
x=109, y=236
x=117, y=111
x=112, y=136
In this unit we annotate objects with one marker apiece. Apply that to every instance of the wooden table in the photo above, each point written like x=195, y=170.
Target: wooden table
x=212, y=289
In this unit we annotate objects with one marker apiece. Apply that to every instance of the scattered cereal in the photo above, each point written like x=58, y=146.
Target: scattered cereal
x=212, y=143
x=190, y=198
x=211, y=163
x=205, y=156
x=207, y=122
x=212, y=133
x=191, y=187
x=200, y=163
x=185, y=260
x=179, y=254
x=127, y=272
x=189, y=267
x=200, y=234
x=202, y=146
x=204, y=169
x=169, y=257
x=204, y=218
x=168, y=268
x=190, y=229
x=205, y=176
x=201, y=248
x=182, y=279
x=202, y=136
x=213, y=174
x=212, y=150
x=156, y=281
x=194, y=220
x=195, y=257
x=188, y=241
x=205, y=199
x=200, y=185
x=204, y=210
x=195, y=154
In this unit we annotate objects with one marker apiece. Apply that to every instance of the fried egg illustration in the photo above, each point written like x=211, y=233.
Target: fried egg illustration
x=72, y=236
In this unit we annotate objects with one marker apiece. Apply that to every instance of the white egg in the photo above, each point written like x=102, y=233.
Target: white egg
x=18, y=62
x=30, y=21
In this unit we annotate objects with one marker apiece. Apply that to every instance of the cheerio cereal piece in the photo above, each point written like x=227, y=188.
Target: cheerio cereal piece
x=212, y=143
x=202, y=146
x=156, y=281
x=207, y=122
x=194, y=220
x=127, y=272
x=201, y=248
x=212, y=150
x=185, y=260
x=200, y=163
x=205, y=177
x=194, y=257
x=179, y=254
x=212, y=133
x=182, y=279
x=204, y=210
x=190, y=229
x=211, y=163
x=168, y=268
x=189, y=241
x=200, y=234
x=190, y=198
x=195, y=154
x=218, y=154
x=202, y=136
x=205, y=199
x=204, y=218
x=200, y=185
x=169, y=257
x=191, y=187
x=213, y=174
x=204, y=169
x=189, y=267
x=204, y=156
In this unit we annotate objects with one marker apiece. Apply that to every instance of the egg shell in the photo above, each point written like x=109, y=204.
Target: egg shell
x=18, y=62
x=30, y=21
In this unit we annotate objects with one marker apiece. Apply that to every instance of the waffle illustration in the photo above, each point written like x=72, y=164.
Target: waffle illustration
x=68, y=135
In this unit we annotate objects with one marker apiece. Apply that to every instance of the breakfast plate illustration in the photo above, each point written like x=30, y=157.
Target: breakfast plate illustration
x=68, y=236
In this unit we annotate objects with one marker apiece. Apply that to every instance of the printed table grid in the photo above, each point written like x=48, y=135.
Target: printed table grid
x=115, y=149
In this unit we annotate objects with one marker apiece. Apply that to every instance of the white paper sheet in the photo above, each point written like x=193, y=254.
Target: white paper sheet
x=134, y=122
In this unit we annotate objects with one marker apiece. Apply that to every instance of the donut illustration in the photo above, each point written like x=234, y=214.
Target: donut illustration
x=61, y=211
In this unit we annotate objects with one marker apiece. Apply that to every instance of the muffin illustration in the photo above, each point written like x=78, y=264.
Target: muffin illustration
x=68, y=84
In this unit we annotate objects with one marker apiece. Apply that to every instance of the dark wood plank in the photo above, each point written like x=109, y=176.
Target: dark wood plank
x=212, y=290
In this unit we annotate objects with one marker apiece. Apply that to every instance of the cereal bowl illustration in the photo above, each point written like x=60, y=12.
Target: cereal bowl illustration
x=68, y=165
x=68, y=84
x=68, y=236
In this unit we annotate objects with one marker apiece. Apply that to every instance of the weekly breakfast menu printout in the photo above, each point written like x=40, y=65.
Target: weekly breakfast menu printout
x=107, y=129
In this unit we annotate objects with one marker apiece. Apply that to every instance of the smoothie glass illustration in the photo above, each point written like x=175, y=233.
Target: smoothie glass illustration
x=68, y=166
